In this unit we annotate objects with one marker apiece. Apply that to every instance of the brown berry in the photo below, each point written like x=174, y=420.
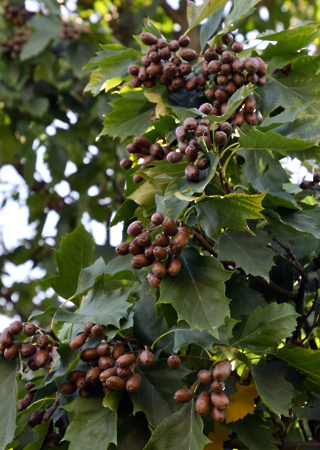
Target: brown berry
x=146, y=358
x=133, y=69
x=192, y=172
x=110, y=372
x=6, y=337
x=78, y=341
x=174, y=157
x=35, y=418
x=12, y=350
x=118, y=350
x=27, y=350
x=93, y=376
x=74, y=375
x=123, y=372
x=153, y=280
x=220, y=138
x=217, y=386
x=43, y=341
x=188, y=54
x=135, y=228
x=174, y=362
x=251, y=118
x=159, y=269
x=218, y=415
x=169, y=227
x=205, y=376
x=162, y=239
x=104, y=362
x=123, y=248
x=135, y=249
x=89, y=354
x=115, y=383
x=222, y=370
x=262, y=67
x=133, y=383
x=251, y=65
x=159, y=252
x=157, y=218
x=148, y=38
x=203, y=404
x=15, y=327
x=220, y=400
x=41, y=357
x=203, y=163
x=184, y=395
x=237, y=47
x=210, y=54
x=184, y=40
x=29, y=329
x=126, y=360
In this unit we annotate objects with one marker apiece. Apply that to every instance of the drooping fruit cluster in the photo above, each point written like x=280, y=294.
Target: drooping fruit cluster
x=70, y=31
x=219, y=71
x=112, y=365
x=15, y=44
x=37, y=349
x=214, y=400
x=17, y=13
x=160, y=252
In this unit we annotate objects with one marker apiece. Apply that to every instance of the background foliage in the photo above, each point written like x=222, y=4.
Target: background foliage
x=254, y=302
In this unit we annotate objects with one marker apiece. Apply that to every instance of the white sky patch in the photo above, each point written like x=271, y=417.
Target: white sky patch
x=63, y=188
x=70, y=169
x=49, y=229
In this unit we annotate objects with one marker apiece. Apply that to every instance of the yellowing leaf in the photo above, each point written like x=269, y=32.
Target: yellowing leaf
x=241, y=402
x=161, y=108
x=218, y=437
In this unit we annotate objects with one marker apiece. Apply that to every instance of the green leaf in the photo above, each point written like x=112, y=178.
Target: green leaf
x=156, y=394
x=106, y=308
x=93, y=426
x=288, y=44
x=45, y=30
x=165, y=123
x=197, y=14
x=240, y=10
x=285, y=117
x=198, y=292
x=112, y=399
x=266, y=327
x=8, y=397
x=182, y=430
x=306, y=128
x=306, y=221
x=67, y=361
x=256, y=140
x=112, y=66
x=305, y=361
x=265, y=173
x=234, y=101
x=275, y=391
x=183, y=334
x=247, y=251
x=256, y=432
x=130, y=115
x=301, y=86
x=208, y=28
x=89, y=275
x=76, y=250
x=124, y=213
x=231, y=211
x=187, y=187
x=243, y=299
x=301, y=243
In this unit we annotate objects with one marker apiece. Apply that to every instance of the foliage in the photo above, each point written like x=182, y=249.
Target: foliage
x=247, y=289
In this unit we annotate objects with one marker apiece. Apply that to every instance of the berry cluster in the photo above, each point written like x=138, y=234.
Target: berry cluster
x=17, y=13
x=72, y=32
x=221, y=73
x=112, y=365
x=214, y=400
x=15, y=44
x=307, y=184
x=37, y=349
x=160, y=253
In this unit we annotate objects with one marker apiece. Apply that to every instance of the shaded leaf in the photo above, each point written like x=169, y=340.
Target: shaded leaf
x=256, y=140
x=182, y=430
x=275, y=391
x=231, y=211
x=267, y=326
x=197, y=14
x=8, y=397
x=288, y=43
x=156, y=394
x=183, y=334
x=92, y=425
x=247, y=251
x=306, y=361
x=76, y=250
x=256, y=432
x=45, y=30
x=106, y=308
x=198, y=292
x=112, y=66
x=209, y=27
x=130, y=115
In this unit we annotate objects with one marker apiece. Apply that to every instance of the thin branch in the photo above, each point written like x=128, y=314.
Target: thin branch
x=292, y=262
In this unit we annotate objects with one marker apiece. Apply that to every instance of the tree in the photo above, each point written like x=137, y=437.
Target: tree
x=202, y=332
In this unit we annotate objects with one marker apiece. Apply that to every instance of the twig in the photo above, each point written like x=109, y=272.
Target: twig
x=292, y=262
